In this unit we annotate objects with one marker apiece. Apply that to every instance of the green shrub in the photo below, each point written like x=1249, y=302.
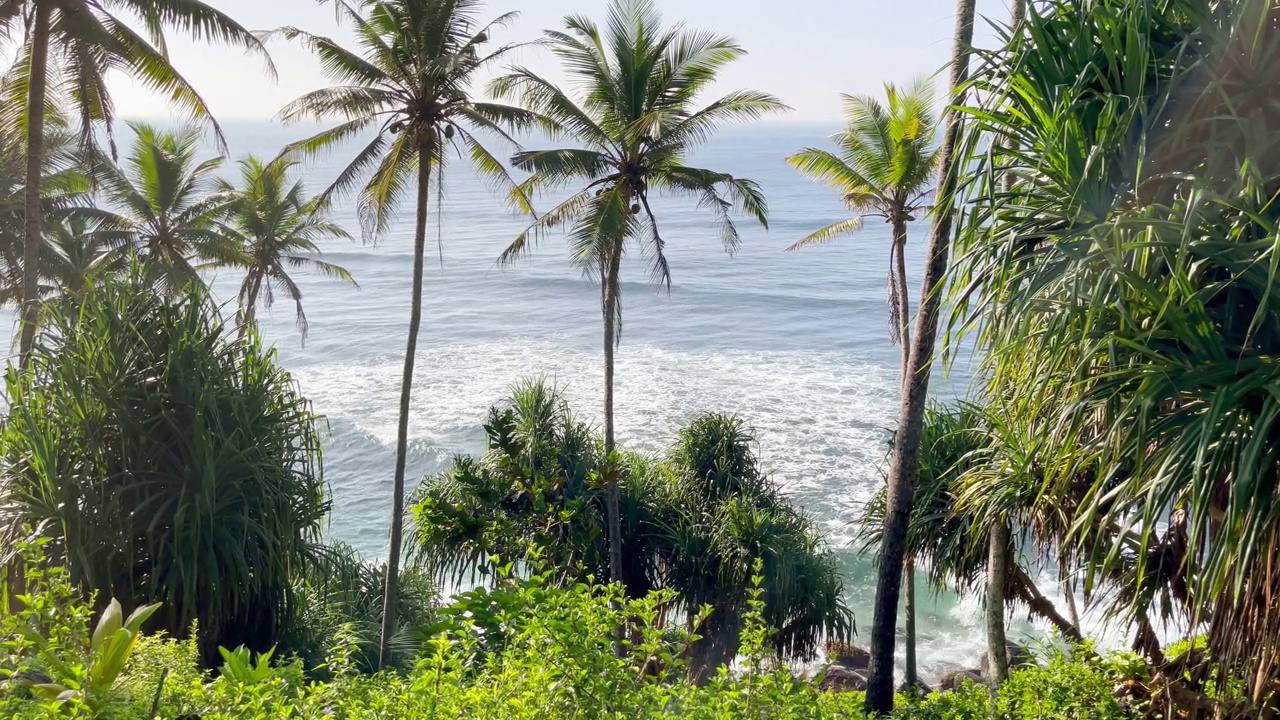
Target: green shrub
x=555, y=660
x=693, y=522
x=339, y=595
x=169, y=460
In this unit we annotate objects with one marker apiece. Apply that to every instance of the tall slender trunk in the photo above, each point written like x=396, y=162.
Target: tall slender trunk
x=909, y=608
x=997, y=577
x=610, y=265
x=249, y=306
x=904, y=464
x=32, y=238
x=1000, y=540
x=904, y=342
x=1069, y=594
x=904, y=296
x=426, y=150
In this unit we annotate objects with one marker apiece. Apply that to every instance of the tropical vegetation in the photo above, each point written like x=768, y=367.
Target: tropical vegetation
x=694, y=521
x=633, y=113
x=270, y=227
x=552, y=658
x=65, y=51
x=1103, y=240
x=409, y=83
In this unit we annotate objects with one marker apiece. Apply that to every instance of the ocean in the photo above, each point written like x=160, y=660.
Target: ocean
x=796, y=343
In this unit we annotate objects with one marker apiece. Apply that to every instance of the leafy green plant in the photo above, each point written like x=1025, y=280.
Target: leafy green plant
x=241, y=665
x=88, y=678
x=556, y=659
x=166, y=458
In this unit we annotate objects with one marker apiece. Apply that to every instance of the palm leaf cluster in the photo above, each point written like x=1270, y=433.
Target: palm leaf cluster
x=88, y=40
x=963, y=445
x=169, y=207
x=1123, y=287
x=168, y=459
x=270, y=227
x=631, y=106
x=882, y=167
x=64, y=205
x=693, y=522
x=408, y=84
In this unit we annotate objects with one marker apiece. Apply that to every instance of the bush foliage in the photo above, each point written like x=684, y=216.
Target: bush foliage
x=554, y=658
x=168, y=458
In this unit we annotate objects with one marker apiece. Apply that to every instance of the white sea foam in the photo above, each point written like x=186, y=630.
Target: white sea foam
x=821, y=418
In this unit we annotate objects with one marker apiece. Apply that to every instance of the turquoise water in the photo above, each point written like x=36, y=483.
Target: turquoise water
x=796, y=343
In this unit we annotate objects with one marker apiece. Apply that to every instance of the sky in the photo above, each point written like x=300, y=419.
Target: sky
x=806, y=52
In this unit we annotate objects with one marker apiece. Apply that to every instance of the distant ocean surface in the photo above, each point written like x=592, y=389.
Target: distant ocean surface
x=796, y=343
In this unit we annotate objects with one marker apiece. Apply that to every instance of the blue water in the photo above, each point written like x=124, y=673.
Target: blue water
x=796, y=343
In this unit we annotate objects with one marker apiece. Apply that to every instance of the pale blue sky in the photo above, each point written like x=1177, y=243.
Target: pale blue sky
x=804, y=51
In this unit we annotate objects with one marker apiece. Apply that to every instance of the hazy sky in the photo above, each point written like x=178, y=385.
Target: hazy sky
x=805, y=51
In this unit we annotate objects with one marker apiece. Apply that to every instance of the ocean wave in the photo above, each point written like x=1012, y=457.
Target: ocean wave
x=821, y=418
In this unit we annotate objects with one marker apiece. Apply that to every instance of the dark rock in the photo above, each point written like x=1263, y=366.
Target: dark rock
x=839, y=679
x=848, y=656
x=921, y=689
x=954, y=679
x=1019, y=656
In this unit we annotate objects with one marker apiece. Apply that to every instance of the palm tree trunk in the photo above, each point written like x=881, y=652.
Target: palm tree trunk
x=249, y=306
x=904, y=342
x=1069, y=593
x=1024, y=588
x=909, y=607
x=31, y=193
x=998, y=557
x=904, y=298
x=610, y=265
x=426, y=151
x=906, y=448
x=997, y=577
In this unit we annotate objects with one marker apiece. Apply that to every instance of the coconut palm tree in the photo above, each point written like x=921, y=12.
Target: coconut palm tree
x=80, y=248
x=272, y=227
x=409, y=83
x=67, y=49
x=64, y=187
x=165, y=202
x=883, y=167
x=904, y=462
x=631, y=111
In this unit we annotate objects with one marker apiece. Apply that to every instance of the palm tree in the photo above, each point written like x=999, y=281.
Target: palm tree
x=65, y=191
x=632, y=116
x=85, y=39
x=410, y=83
x=271, y=228
x=904, y=462
x=885, y=163
x=164, y=203
x=78, y=251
